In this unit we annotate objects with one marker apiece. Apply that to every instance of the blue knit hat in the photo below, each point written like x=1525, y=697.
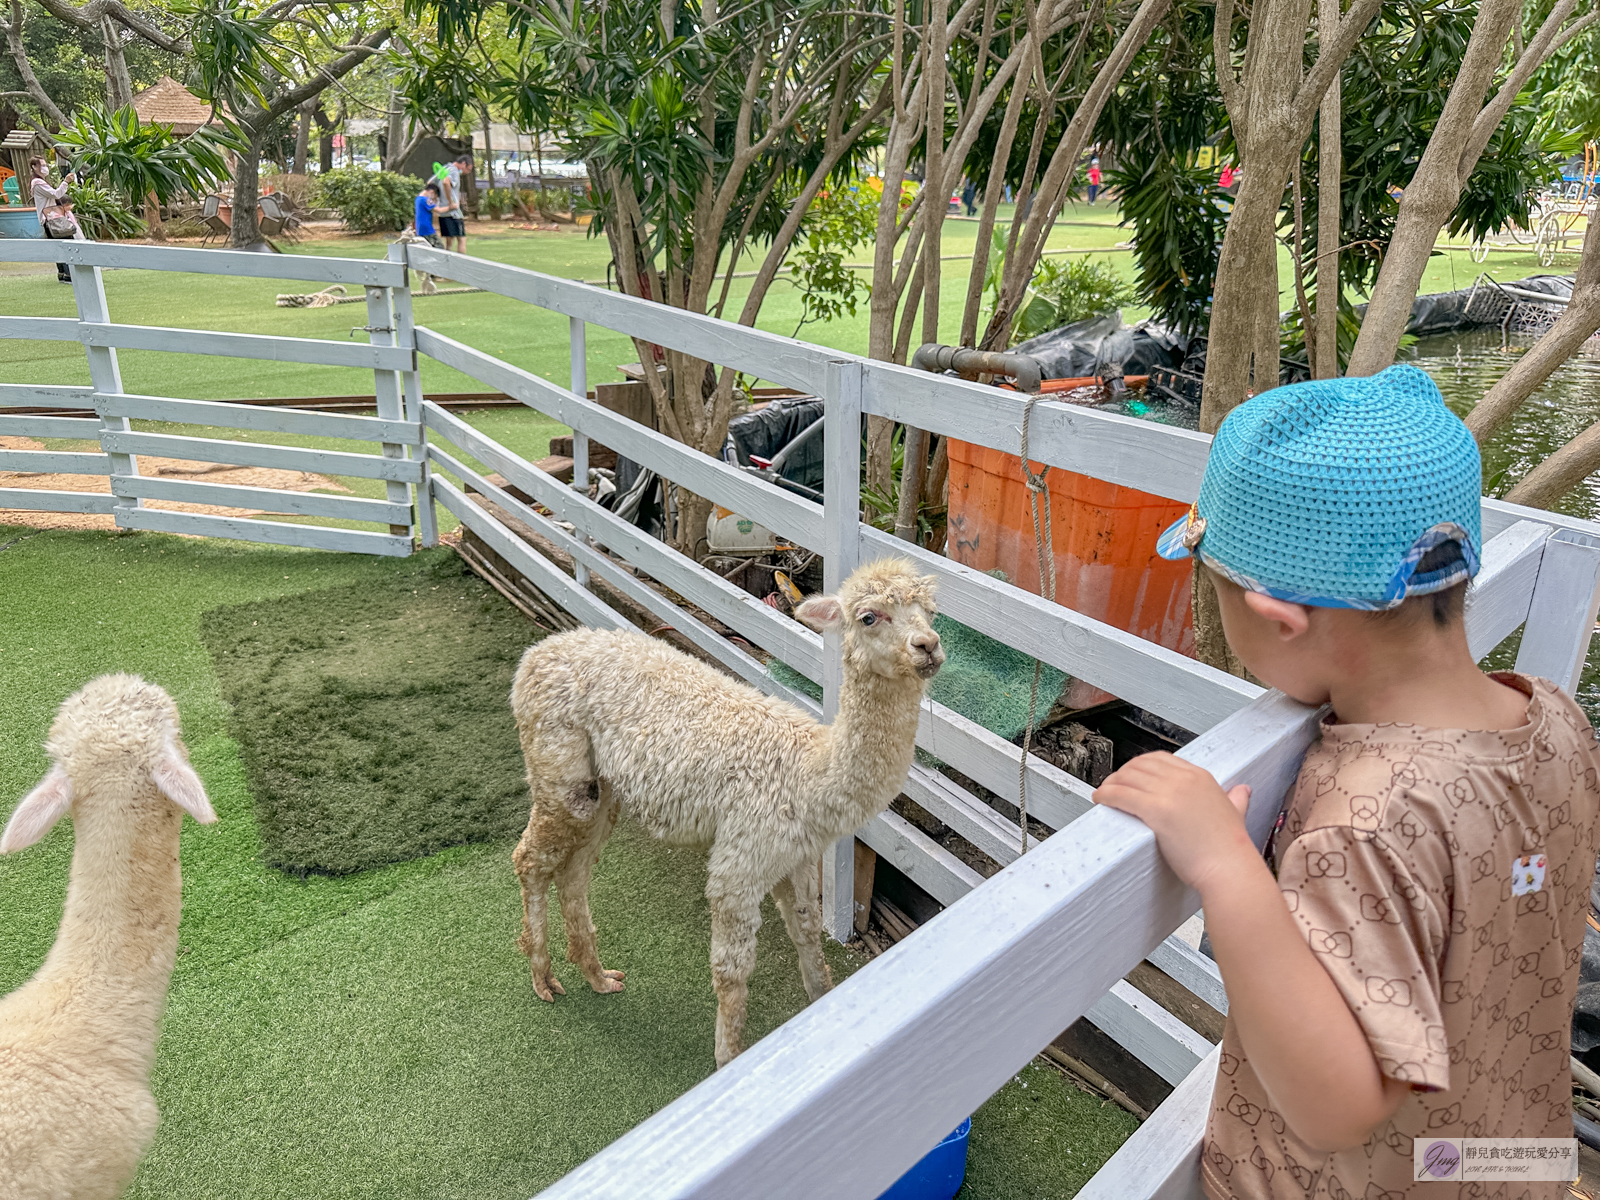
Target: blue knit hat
x=1329, y=493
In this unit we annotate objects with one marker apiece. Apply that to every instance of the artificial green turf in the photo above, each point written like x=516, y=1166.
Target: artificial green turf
x=374, y=719
x=375, y=1034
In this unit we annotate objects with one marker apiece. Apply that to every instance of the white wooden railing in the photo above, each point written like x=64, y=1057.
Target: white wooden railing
x=1008, y=964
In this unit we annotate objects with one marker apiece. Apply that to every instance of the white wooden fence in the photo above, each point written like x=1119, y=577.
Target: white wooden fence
x=897, y=1055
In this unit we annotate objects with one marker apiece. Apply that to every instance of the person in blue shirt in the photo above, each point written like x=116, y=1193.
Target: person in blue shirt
x=427, y=201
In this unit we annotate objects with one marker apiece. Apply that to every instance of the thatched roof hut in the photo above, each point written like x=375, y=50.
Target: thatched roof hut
x=170, y=103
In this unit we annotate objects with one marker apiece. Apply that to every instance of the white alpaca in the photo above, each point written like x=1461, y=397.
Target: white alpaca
x=611, y=718
x=77, y=1040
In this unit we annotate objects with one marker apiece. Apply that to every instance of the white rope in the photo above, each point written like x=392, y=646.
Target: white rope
x=1047, y=582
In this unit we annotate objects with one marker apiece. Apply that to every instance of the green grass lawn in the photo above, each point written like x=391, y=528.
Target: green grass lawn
x=375, y=1034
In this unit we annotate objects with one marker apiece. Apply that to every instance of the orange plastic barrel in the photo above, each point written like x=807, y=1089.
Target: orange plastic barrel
x=1104, y=544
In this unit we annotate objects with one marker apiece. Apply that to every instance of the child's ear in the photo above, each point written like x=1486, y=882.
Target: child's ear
x=1291, y=619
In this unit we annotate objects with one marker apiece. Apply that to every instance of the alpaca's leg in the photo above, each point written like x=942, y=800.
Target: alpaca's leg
x=735, y=918
x=799, y=899
x=559, y=769
x=572, y=886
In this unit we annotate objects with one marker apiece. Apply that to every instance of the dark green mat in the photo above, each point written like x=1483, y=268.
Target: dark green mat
x=375, y=720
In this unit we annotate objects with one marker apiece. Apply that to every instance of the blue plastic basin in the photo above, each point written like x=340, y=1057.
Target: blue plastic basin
x=938, y=1176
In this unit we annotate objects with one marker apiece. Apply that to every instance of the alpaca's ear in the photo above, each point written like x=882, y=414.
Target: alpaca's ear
x=178, y=783
x=39, y=811
x=822, y=613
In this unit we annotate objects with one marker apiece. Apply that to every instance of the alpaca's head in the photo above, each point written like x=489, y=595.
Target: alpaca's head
x=885, y=611
x=114, y=744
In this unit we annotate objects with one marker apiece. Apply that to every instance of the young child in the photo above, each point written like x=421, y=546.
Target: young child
x=427, y=201
x=1410, y=972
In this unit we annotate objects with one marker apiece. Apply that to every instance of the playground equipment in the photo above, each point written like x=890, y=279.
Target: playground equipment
x=899, y=1054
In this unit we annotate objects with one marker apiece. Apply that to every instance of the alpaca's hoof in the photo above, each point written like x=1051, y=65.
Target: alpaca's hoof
x=609, y=981
x=548, y=987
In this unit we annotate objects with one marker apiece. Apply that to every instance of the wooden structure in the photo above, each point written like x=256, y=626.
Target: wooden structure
x=1011, y=961
x=168, y=102
x=19, y=146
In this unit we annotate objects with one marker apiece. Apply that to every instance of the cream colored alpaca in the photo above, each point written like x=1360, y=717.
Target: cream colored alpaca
x=611, y=718
x=77, y=1040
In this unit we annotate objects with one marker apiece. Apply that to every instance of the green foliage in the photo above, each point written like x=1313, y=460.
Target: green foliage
x=882, y=509
x=134, y=158
x=1178, y=225
x=70, y=64
x=236, y=52
x=104, y=216
x=1068, y=290
x=369, y=201
x=496, y=202
x=836, y=222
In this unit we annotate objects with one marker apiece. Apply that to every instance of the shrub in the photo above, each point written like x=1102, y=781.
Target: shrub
x=104, y=216
x=1071, y=290
x=296, y=189
x=369, y=201
x=496, y=202
x=553, y=201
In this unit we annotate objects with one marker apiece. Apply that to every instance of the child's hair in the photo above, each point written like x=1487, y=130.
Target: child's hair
x=430, y=186
x=1447, y=606
x=36, y=163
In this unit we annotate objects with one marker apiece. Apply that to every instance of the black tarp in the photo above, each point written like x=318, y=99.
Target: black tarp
x=765, y=431
x=1106, y=347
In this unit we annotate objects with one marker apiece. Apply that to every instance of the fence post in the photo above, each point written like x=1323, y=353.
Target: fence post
x=411, y=382
x=577, y=338
x=1555, y=641
x=381, y=329
x=841, y=551
x=88, y=289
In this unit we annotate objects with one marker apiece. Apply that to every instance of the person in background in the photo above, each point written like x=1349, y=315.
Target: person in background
x=1094, y=180
x=54, y=209
x=427, y=201
x=452, y=213
x=1225, y=180
x=969, y=197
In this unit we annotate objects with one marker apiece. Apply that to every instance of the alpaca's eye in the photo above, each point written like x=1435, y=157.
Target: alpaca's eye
x=869, y=618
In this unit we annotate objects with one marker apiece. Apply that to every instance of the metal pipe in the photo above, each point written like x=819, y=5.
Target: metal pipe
x=775, y=467
x=969, y=364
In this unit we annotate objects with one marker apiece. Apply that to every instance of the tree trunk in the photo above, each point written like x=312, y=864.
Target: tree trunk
x=302, y=141
x=488, y=150
x=119, y=88
x=1546, y=484
x=246, y=229
x=152, y=218
x=1330, y=170
x=1433, y=192
x=324, y=140
x=394, y=151
x=1575, y=326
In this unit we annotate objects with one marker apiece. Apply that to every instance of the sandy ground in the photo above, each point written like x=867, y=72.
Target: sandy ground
x=164, y=468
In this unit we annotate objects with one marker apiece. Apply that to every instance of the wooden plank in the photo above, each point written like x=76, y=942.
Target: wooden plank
x=1157, y=1038
x=89, y=292
x=411, y=386
x=926, y=863
x=781, y=511
x=272, y=348
x=363, y=271
x=251, y=454
x=268, y=418
x=39, y=329
x=791, y=641
x=50, y=427
x=682, y=621
x=1193, y=970
x=841, y=554
x=753, y=351
x=386, y=386
x=38, y=500
x=1561, y=616
x=35, y=395
x=243, y=529
x=1184, y=691
x=970, y=817
x=1161, y=1161
x=307, y=504
x=541, y=572
x=54, y=462
x=1159, y=459
x=1054, y=797
x=1511, y=562
x=1498, y=516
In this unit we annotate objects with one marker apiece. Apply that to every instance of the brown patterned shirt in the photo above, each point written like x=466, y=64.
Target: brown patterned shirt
x=1442, y=878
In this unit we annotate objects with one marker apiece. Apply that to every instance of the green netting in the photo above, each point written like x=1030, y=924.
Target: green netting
x=984, y=680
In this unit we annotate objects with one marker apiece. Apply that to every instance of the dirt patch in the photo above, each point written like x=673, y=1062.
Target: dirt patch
x=156, y=468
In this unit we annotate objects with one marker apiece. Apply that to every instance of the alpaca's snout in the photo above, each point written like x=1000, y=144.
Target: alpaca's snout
x=927, y=655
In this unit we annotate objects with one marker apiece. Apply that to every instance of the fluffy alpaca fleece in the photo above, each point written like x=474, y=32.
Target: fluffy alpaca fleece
x=78, y=1039
x=611, y=718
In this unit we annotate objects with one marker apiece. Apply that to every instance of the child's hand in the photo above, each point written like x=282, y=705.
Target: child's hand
x=1199, y=828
